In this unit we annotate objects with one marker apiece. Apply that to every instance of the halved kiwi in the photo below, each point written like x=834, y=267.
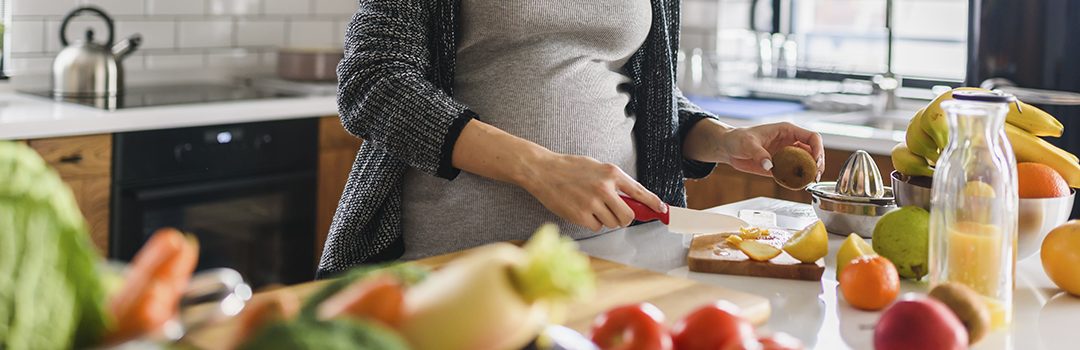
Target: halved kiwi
x=794, y=168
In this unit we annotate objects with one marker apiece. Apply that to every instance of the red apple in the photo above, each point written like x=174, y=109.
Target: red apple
x=714, y=326
x=780, y=341
x=924, y=324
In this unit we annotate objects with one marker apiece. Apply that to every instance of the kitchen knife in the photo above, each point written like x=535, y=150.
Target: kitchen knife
x=686, y=221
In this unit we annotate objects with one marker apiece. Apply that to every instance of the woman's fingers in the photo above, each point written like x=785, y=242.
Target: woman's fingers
x=605, y=215
x=622, y=212
x=635, y=190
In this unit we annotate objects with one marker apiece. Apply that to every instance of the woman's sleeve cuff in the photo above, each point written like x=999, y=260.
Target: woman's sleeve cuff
x=446, y=168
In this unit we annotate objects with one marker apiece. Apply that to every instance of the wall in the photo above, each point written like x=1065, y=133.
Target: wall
x=244, y=34
x=225, y=35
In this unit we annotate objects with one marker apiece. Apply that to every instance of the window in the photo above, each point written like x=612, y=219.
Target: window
x=849, y=36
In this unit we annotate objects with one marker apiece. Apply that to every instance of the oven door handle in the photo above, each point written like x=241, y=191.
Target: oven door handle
x=221, y=185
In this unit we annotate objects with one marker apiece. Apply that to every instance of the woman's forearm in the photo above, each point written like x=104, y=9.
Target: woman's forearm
x=703, y=142
x=487, y=151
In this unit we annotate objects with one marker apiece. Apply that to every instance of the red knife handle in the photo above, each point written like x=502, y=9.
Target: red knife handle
x=642, y=212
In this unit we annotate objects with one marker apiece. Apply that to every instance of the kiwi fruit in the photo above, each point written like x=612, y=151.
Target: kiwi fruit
x=968, y=307
x=794, y=168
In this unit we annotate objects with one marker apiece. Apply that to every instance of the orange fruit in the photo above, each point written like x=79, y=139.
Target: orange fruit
x=1038, y=180
x=869, y=282
x=1061, y=256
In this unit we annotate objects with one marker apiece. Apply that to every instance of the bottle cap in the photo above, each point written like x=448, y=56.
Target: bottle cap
x=982, y=96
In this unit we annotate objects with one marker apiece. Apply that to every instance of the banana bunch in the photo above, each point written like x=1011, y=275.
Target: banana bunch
x=928, y=133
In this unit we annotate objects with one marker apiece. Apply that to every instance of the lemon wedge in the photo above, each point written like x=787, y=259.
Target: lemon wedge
x=809, y=244
x=853, y=247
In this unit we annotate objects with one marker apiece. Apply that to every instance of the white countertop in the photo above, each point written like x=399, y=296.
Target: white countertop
x=27, y=117
x=1044, y=316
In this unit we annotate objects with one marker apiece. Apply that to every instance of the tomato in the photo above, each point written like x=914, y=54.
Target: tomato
x=780, y=341
x=714, y=326
x=631, y=327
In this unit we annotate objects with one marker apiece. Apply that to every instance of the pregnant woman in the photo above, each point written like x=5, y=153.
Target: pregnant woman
x=483, y=119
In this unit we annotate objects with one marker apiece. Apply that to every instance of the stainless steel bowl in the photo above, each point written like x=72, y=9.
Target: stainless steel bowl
x=843, y=215
x=911, y=190
x=1036, y=216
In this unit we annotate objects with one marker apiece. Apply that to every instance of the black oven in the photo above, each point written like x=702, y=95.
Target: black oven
x=247, y=191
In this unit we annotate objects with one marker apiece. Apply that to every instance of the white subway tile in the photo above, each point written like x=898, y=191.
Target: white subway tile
x=76, y=31
x=335, y=7
x=311, y=34
x=30, y=65
x=206, y=33
x=27, y=36
x=175, y=7
x=234, y=7
x=260, y=33
x=155, y=34
x=287, y=7
x=160, y=61
x=42, y=7
x=232, y=59
x=117, y=7
x=135, y=62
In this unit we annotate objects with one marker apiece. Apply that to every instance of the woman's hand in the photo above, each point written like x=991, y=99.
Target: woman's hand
x=750, y=149
x=579, y=189
x=586, y=192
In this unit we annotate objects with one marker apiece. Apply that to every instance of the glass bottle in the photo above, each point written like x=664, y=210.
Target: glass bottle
x=973, y=216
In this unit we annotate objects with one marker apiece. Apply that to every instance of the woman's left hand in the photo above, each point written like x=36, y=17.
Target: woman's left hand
x=750, y=149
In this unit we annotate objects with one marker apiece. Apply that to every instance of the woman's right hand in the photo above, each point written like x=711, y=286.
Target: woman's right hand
x=585, y=191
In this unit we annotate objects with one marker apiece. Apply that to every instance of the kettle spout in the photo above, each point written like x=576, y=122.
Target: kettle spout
x=125, y=47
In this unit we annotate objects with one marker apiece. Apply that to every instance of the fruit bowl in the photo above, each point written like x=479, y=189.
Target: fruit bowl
x=1037, y=216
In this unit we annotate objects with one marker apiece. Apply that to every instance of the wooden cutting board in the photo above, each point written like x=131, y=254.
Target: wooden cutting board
x=617, y=284
x=712, y=254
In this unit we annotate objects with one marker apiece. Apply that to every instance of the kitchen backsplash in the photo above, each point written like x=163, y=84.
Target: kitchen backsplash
x=226, y=35
x=231, y=35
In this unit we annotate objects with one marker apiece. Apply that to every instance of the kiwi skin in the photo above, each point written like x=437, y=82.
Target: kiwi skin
x=968, y=307
x=794, y=168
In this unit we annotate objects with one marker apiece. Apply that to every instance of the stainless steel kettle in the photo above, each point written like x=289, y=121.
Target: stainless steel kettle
x=87, y=69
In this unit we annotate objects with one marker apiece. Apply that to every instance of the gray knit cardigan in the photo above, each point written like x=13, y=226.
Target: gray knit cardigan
x=395, y=90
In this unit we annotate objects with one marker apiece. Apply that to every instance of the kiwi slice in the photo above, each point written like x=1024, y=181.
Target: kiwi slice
x=794, y=168
x=968, y=307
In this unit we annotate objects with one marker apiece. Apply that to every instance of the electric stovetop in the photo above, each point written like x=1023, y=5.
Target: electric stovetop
x=162, y=95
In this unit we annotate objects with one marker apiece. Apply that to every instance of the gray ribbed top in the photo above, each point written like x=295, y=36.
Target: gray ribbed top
x=545, y=70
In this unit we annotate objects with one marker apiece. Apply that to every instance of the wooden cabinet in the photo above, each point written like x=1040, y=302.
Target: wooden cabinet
x=727, y=185
x=337, y=150
x=85, y=164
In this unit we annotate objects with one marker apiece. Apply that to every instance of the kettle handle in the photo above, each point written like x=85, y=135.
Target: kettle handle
x=78, y=11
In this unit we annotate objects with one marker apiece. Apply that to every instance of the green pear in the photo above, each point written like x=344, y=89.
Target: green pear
x=903, y=236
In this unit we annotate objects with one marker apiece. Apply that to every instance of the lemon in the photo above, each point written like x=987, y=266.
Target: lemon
x=853, y=247
x=976, y=188
x=809, y=244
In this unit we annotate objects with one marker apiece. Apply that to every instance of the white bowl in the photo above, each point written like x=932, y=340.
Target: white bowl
x=1037, y=216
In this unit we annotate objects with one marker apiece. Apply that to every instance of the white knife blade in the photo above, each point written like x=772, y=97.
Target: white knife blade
x=691, y=221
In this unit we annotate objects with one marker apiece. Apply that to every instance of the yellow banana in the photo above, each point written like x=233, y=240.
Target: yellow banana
x=919, y=142
x=908, y=163
x=1028, y=118
x=1033, y=120
x=1031, y=148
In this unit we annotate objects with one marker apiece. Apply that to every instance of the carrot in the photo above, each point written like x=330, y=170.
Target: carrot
x=153, y=286
x=276, y=306
x=381, y=298
x=151, y=309
x=163, y=246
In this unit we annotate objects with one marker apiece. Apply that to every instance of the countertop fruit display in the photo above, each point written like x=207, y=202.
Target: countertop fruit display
x=928, y=133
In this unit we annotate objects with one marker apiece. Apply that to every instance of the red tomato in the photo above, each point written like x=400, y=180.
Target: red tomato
x=780, y=341
x=631, y=327
x=714, y=326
